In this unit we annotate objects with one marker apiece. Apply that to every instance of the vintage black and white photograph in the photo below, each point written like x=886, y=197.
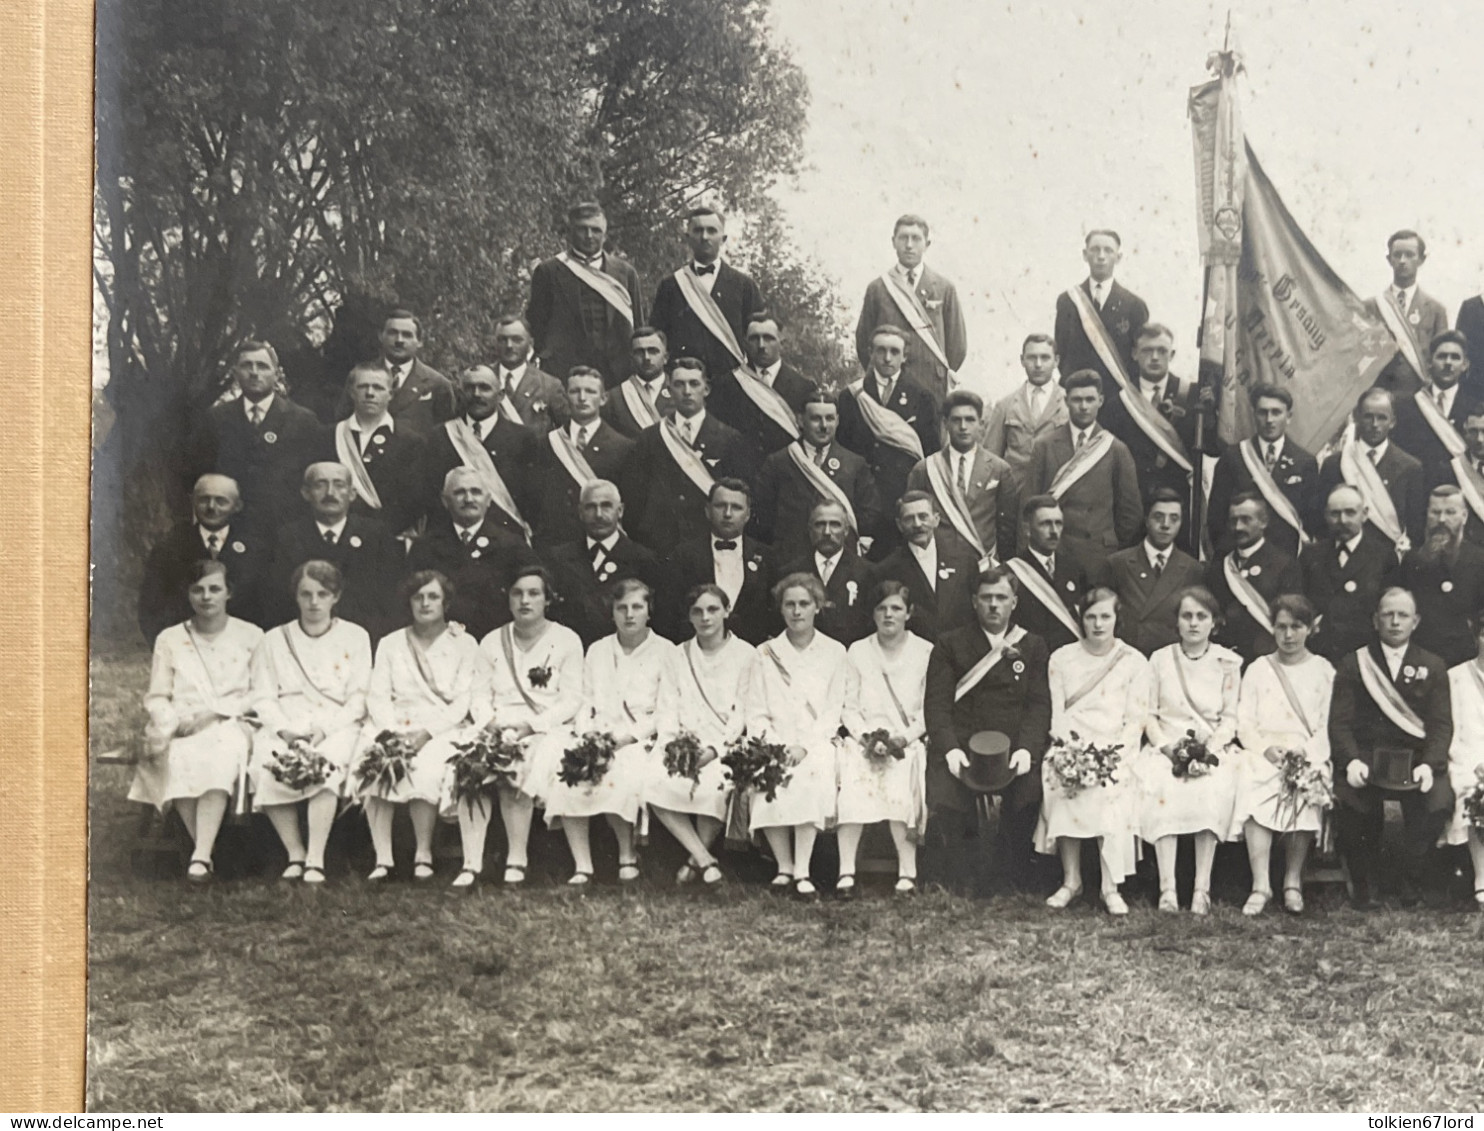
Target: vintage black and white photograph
x=787, y=555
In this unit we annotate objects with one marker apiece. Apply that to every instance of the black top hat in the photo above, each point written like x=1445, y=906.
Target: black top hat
x=1392, y=768
x=989, y=769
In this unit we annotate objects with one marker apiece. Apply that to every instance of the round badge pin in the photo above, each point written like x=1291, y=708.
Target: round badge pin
x=238, y=548
x=1447, y=587
x=1350, y=587
x=270, y=437
x=355, y=540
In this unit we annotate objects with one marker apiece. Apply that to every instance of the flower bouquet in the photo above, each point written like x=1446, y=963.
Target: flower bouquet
x=1077, y=765
x=759, y=765
x=1473, y=800
x=300, y=767
x=1189, y=757
x=386, y=764
x=588, y=761
x=685, y=757
x=1300, y=785
x=540, y=675
x=881, y=749
x=484, y=765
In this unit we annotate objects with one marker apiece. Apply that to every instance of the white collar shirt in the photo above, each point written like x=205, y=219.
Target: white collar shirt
x=727, y=567
x=690, y=426
x=1393, y=658
x=1045, y=562
x=1156, y=390
x=708, y=280
x=397, y=372
x=1099, y=291
x=482, y=428
x=1245, y=556
x=1379, y=450
x=1275, y=445
x=1152, y=553
x=1404, y=296
x=337, y=528
x=467, y=534
x=261, y=406
x=364, y=432
x=576, y=431
x=825, y=566
x=510, y=379
x=1443, y=398
x=927, y=560
x=770, y=374
x=1351, y=545
x=221, y=536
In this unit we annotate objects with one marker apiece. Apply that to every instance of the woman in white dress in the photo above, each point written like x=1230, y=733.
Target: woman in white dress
x=421, y=687
x=530, y=685
x=1196, y=685
x=885, y=682
x=309, y=683
x=1466, y=754
x=702, y=692
x=620, y=691
x=197, y=740
x=1100, y=690
x=1284, y=706
x=796, y=696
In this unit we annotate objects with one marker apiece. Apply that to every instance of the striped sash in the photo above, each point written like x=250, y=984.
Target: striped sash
x=1405, y=342
x=821, y=482
x=476, y=456
x=1081, y=463
x=609, y=289
x=636, y=399
x=704, y=306
x=885, y=425
x=917, y=319
x=1361, y=474
x=1385, y=695
x=570, y=458
x=1281, y=504
x=953, y=503
x=685, y=456
x=975, y=675
x=768, y=399
x=350, y=455
x=1244, y=591
x=1032, y=579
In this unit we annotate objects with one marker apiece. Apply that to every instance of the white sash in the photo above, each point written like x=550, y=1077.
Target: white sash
x=1385, y=695
x=475, y=455
x=1081, y=463
x=1405, y=342
x=767, y=398
x=350, y=455
x=885, y=425
x=201, y=676
x=1030, y=577
x=685, y=457
x=1441, y=426
x=705, y=308
x=972, y=678
x=609, y=289
x=821, y=482
x=1243, y=591
x=1281, y=504
x=917, y=320
x=1470, y=484
x=509, y=411
x=569, y=457
x=1361, y=474
x=641, y=408
x=953, y=502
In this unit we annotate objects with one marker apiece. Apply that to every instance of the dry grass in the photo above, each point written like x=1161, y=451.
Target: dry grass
x=258, y=996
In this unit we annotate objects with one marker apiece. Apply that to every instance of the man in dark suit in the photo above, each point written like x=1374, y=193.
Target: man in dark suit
x=1012, y=696
x=744, y=567
x=642, y=398
x=512, y=449
x=1344, y=575
x=892, y=455
x=1400, y=473
x=576, y=319
x=478, y=555
x=368, y=556
x=848, y=578
x=1052, y=582
x=558, y=474
x=672, y=466
x=385, y=462
x=585, y=570
x=1268, y=572
x=1413, y=317
x=262, y=440
x=537, y=398
x=1470, y=323
x=422, y=398
x=1415, y=431
x=215, y=531
x=1283, y=467
x=734, y=294
x=1149, y=577
x=937, y=569
x=786, y=494
x=937, y=339
x=1122, y=312
x=981, y=479
x=731, y=403
x=1390, y=696
x=1445, y=575
x=1473, y=458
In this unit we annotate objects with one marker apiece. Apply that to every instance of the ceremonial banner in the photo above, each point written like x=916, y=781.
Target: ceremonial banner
x=767, y=398
x=705, y=308
x=821, y=482
x=609, y=289
x=917, y=321
x=972, y=678
x=350, y=455
x=884, y=424
x=475, y=455
x=954, y=504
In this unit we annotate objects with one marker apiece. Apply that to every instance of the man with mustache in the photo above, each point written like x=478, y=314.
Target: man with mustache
x=1446, y=576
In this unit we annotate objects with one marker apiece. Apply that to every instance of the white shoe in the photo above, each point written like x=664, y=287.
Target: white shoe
x=1061, y=897
x=466, y=878
x=1114, y=903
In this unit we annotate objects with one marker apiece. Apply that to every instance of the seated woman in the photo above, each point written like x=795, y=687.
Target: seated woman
x=795, y=697
x=309, y=683
x=620, y=691
x=1196, y=685
x=197, y=740
x=884, y=686
x=531, y=685
x=421, y=686
x=1100, y=688
x=1466, y=754
x=702, y=693
x=1284, y=706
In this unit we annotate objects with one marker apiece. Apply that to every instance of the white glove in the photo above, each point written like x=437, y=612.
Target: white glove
x=957, y=761
x=1020, y=762
x=1357, y=773
x=1422, y=775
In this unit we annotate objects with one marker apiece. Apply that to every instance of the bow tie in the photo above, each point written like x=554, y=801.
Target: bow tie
x=708, y=269
x=725, y=543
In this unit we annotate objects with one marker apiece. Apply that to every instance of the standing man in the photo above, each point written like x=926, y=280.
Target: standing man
x=814, y=470
x=1388, y=479
x=1271, y=464
x=1090, y=473
x=704, y=306
x=1445, y=575
x=422, y=398
x=763, y=398
x=936, y=567
x=642, y=400
x=384, y=463
x=1466, y=472
x=1470, y=323
x=1098, y=321
x=527, y=395
x=573, y=455
x=1051, y=582
x=914, y=296
x=669, y=474
x=727, y=556
x=890, y=420
x=973, y=487
x=1344, y=575
x=1034, y=410
x=1413, y=317
x=1430, y=422
x=1246, y=581
x=1390, y=711
x=1150, y=577
x=848, y=578
x=585, y=302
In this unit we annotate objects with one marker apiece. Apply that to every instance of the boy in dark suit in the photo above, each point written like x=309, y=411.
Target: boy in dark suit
x=1149, y=577
x=1122, y=312
x=1271, y=464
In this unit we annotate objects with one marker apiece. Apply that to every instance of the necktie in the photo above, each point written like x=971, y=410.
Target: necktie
x=726, y=544
x=598, y=554
x=686, y=432
x=466, y=536
x=885, y=388
x=912, y=276
x=1270, y=455
x=330, y=537
x=1439, y=395
x=1097, y=294
x=963, y=479
x=255, y=415
x=1159, y=563
x=1051, y=566
x=819, y=457
x=826, y=568
x=1344, y=555
x=1374, y=454
x=706, y=269
x=1401, y=301
x=1081, y=440
x=212, y=545
x=582, y=435
x=510, y=385
x=1038, y=400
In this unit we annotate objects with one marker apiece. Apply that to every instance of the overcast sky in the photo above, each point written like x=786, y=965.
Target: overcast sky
x=1016, y=127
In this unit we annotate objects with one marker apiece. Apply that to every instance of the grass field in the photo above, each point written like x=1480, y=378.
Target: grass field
x=253, y=995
